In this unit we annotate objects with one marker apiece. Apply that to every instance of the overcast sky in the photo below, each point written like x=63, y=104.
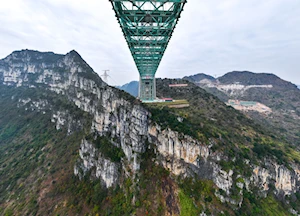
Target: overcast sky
x=212, y=36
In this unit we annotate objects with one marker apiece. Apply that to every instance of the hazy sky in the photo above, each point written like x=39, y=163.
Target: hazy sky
x=212, y=36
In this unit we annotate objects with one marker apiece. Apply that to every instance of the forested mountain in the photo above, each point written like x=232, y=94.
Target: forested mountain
x=72, y=145
x=281, y=96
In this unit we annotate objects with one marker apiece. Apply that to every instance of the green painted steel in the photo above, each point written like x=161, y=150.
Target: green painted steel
x=148, y=26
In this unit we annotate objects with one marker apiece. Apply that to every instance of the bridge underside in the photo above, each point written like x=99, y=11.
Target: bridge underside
x=147, y=26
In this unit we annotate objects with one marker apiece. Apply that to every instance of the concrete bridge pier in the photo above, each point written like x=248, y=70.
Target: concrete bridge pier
x=147, y=89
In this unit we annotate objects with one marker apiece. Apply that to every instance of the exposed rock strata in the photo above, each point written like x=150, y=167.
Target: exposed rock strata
x=130, y=128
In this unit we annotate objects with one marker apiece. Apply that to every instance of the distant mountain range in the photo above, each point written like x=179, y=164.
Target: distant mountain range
x=132, y=88
x=281, y=96
x=268, y=89
x=243, y=78
x=236, y=77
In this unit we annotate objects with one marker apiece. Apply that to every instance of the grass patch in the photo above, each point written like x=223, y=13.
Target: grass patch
x=272, y=207
x=187, y=207
x=253, y=205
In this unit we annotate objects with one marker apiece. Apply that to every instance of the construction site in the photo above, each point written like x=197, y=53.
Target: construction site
x=249, y=106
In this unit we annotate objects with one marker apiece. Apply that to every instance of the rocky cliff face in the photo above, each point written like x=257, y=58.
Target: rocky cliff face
x=186, y=156
x=129, y=127
x=105, y=170
x=112, y=114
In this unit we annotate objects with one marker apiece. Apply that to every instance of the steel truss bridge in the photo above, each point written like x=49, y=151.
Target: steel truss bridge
x=147, y=26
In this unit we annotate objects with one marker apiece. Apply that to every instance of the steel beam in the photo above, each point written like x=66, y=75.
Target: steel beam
x=147, y=26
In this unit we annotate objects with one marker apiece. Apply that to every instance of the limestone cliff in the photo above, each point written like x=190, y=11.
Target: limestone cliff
x=129, y=127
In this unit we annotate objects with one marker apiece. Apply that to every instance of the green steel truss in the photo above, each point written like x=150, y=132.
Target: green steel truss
x=148, y=26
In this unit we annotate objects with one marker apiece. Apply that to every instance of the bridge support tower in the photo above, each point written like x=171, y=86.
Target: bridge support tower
x=147, y=26
x=147, y=89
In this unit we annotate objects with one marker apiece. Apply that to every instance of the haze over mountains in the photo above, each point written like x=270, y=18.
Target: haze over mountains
x=132, y=88
x=72, y=145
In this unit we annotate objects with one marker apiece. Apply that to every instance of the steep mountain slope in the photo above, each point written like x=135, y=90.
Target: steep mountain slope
x=35, y=152
x=71, y=145
x=208, y=83
x=281, y=96
x=131, y=88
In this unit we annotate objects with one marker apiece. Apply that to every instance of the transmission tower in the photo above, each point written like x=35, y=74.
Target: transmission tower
x=105, y=75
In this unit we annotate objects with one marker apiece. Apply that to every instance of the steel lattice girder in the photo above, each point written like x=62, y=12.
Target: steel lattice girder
x=148, y=26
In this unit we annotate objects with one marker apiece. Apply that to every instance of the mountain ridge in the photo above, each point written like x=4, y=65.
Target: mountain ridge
x=131, y=88
x=281, y=96
x=123, y=157
x=241, y=77
x=199, y=77
x=250, y=78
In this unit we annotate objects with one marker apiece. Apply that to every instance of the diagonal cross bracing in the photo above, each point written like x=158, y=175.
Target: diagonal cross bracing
x=147, y=26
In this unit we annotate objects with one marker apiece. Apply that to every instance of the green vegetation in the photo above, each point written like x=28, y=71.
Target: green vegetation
x=166, y=118
x=91, y=75
x=42, y=159
x=187, y=207
x=108, y=150
x=283, y=153
x=32, y=151
x=207, y=117
x=37, y=160
x=263, y=150
x=198, y=195
x=88, y=193
x=283, y=98
x=253, y=205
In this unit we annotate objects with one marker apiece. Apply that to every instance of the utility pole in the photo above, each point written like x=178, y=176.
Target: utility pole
x=105, y=75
